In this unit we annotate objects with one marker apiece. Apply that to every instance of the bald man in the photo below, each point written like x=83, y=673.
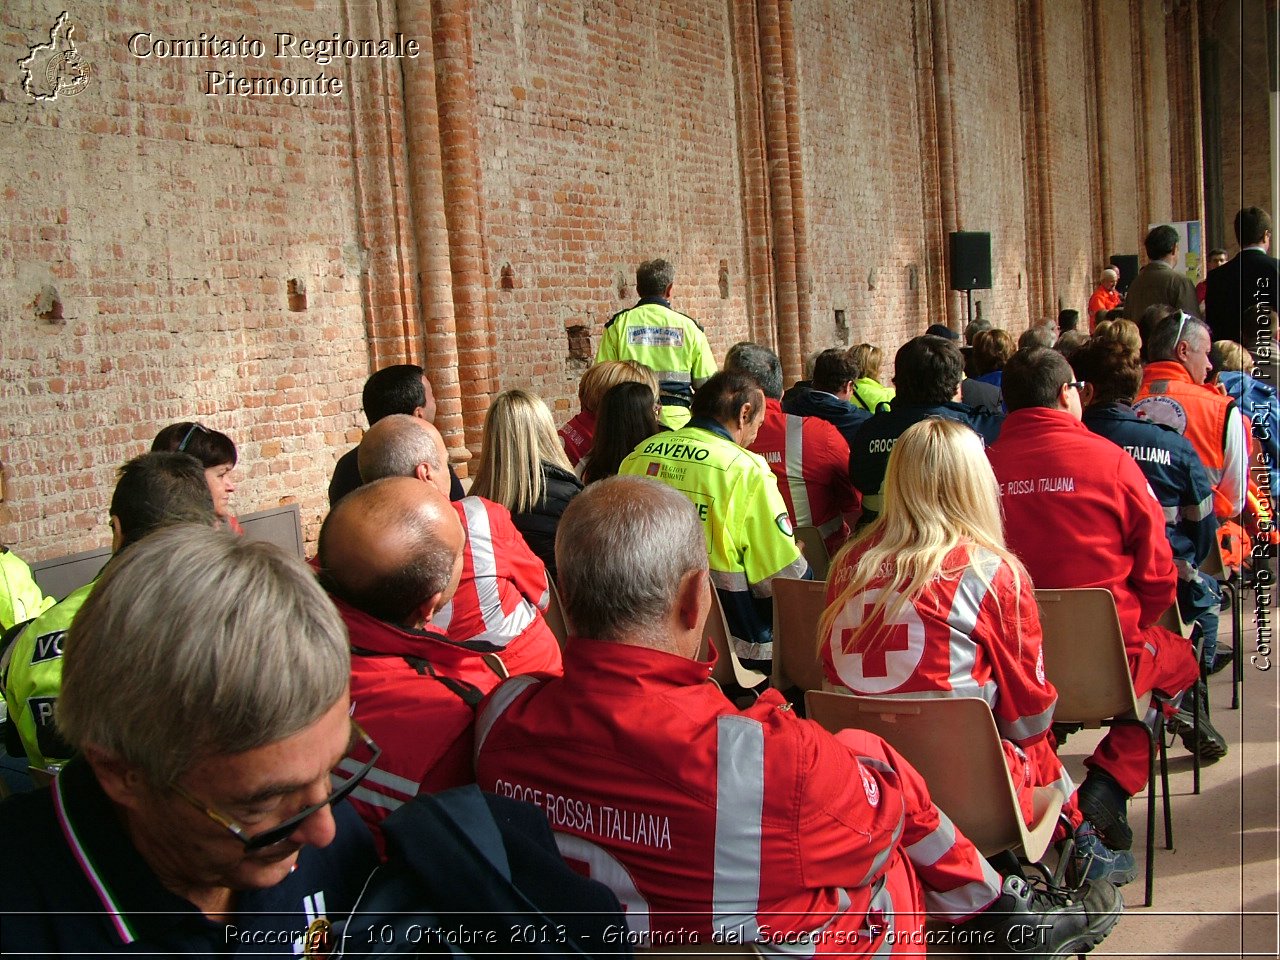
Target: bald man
x=499, y=602
x=391, y=558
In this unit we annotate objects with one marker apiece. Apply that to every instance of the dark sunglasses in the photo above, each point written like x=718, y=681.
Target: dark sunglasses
x=282, y=831
x=187, y=439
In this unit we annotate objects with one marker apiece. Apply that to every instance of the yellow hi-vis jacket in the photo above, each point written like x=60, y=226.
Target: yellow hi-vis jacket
x=748, y=531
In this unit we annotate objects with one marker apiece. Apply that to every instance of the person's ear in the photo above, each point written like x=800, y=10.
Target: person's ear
x=117, y=534
x=120, y=780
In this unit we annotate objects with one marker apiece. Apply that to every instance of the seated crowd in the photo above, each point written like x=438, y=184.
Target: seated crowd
x=230, y=740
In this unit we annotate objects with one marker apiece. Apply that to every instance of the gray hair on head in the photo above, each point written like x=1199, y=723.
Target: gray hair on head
x=195, y=643
x=1173, y=330
x=759, y=363
x=394, y=446
x=622, y=548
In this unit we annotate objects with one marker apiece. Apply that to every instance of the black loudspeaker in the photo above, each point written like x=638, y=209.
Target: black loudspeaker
x=970, y=261
x=1127, y=264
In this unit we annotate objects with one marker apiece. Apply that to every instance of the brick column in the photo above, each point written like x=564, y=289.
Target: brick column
x=430, y=228
x=1037, y=148
x=781, y=205
x=1182, y=52
x=460, y=168
x=945, y=131
x=795, y=154
x=932, y=273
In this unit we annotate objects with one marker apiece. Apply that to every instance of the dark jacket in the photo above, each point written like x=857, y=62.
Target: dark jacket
x=1239, y=294
x=869, y=453
x=804, y=401
x=1158, y=282
x=346, y=477
x=538, y=524
x=982, y=396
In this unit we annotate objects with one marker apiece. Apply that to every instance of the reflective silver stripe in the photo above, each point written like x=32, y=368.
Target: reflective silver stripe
x=673, y=376
x=1215, y=474
x=963, y=618
x=966, y=900
x=831, y=526
x=794, y=464
x=735, y=884
x=377, y=799
x=879, y=860
x=1201, y=510
x=734, y=582
x=1064, y=785
x=882, y=902
x=499, y=700
x=381, y=777
x=1170, y=514
x=929, y=850
x=795, y=570
x=500, y=627
x=1026, y=727
x=752, y=651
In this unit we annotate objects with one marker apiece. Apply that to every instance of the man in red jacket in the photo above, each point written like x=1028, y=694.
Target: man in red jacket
x=714, y=824
x=1079, y=513
x=807, y=454
x=390, y=557
x=503, y=591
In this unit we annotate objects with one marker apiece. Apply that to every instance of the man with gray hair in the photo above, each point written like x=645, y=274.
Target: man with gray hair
x=205, y=691
x=1173, y=392
x=504, y=590
x=807, y=455
x=709, y=823
x=674, y=346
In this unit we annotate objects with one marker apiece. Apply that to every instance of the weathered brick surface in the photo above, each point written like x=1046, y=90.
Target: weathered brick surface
x=793, y=157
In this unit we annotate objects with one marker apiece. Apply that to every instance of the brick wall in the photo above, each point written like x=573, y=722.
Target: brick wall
x=468, y=207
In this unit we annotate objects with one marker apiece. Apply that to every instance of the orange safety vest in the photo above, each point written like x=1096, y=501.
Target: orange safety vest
x=1196, y=411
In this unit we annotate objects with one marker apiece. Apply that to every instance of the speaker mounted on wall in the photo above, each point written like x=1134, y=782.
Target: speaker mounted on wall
x=1127, y=264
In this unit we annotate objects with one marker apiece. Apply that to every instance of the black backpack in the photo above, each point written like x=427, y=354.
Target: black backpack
x=474, y=874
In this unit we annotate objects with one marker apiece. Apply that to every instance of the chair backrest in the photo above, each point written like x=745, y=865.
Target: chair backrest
x=1213, y=565
x=60, y=576
x=954, y=744
x=1171, y=620
x=554, y=615
x=728, y=669
x=1084, y=655
x=797, y=606
x=279, y=525
x=815, y=550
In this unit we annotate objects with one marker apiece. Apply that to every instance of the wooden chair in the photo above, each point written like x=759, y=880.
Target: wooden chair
x=954, y=744
x=554, y=615
x=815, y=550
x=1085, y=659
x=728, y=669
x=1214, y=567
x=797, y=605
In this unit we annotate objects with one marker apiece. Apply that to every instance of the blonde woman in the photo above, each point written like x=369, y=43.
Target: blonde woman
x=578, y=434
x=930, y=602
x=868, y=391
x=524, y=468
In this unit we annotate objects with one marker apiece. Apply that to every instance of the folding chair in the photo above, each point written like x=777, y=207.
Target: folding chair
x=815, y=550
x=728, y=669
x=954, y=744
x=797, y=605
x=1215, y=568
x=1085, y=659
x=554, y=615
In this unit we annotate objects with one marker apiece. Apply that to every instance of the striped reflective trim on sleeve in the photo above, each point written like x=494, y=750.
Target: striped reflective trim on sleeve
x=963, y=618
x=1024, y=728
x=794, y=464
x=966, y=900
x=795, y=570
x=932, y=848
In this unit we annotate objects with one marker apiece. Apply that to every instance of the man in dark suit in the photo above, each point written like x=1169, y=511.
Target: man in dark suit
x=1240, y=298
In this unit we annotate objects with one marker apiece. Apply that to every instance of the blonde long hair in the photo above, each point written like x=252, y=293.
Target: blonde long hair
x=519, y=436
x=939, y=493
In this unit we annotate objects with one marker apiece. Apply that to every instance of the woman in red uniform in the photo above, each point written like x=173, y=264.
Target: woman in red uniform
x=929, y=601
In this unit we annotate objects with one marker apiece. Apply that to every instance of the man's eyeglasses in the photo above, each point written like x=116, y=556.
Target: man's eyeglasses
x=282, y=831
x=1078, y=384
x=187, y=439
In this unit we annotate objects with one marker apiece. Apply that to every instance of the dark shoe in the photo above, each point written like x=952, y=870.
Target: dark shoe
x=1094, y=860
x=1104, y=804
x=1063, y=730
x=1048, y=922
x=1212, y=745
x=1221, y=660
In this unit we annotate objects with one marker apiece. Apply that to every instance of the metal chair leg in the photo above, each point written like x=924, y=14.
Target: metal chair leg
x=1151, y=815
x=1164, y=781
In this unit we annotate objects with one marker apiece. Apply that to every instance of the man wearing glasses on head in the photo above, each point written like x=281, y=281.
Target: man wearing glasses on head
x=198, y=815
